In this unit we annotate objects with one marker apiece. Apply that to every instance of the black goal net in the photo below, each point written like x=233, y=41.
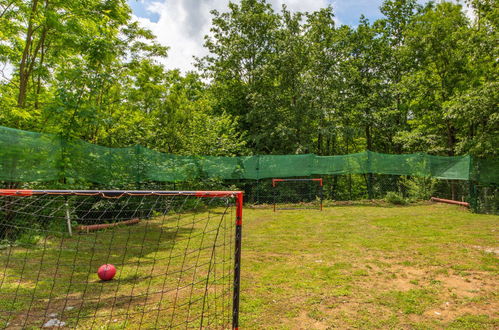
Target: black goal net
x=119, y=259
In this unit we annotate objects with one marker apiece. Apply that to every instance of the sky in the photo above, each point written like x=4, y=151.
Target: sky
x=182, y=24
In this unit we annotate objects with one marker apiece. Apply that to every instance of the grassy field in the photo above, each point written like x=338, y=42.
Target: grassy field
x=370, y=266
x=349, y=266
x=173, y=271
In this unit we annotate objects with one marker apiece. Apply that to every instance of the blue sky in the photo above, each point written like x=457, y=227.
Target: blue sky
x=182, y=24
x=140, y=9
x=347, y=11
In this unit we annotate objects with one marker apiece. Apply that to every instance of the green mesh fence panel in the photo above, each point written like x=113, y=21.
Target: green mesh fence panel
x=88, y=162
x=227, y=168
x=416, y=164
x=157, y=166
x=486, y=171
x=30, y=157
x=331, y=165
x=276, y=166
x=250, y=167
x=457, y=168
x=346, y=164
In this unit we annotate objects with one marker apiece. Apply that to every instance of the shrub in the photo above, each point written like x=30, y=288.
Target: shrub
x=419, y=188
x=395, y=198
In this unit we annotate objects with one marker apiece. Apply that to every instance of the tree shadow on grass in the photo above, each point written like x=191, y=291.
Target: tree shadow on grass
x=51, y=273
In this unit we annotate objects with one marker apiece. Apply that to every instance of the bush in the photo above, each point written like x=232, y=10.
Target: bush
x=419, y=188
x=395, y=198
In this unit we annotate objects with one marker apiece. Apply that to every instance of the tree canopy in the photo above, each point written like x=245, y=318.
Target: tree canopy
x=421, y=78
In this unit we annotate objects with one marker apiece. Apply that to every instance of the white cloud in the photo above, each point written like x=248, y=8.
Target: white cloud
x=300, y=5
x=183, y=24
x=6, y=71
x=469, y=11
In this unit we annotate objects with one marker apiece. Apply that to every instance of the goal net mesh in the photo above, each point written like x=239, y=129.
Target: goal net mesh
x=174, y=253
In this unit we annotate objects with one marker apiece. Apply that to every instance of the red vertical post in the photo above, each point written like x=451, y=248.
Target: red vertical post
x=274, y=191
x=237, y=261
x=321, y=194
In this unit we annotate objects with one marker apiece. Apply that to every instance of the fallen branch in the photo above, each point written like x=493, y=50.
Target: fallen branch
x=90, y=228
x=449, y=201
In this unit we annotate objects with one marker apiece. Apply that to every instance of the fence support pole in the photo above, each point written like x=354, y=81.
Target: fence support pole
x=68, y=218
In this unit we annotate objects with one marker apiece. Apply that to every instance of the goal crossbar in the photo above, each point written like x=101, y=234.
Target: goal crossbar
x=119, y=193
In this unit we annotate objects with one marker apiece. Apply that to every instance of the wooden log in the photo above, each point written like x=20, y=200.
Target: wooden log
x=90, y=228
x=449, y=201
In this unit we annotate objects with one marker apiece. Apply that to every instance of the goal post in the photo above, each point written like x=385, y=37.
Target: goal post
x=297, y=193
x=177, y=256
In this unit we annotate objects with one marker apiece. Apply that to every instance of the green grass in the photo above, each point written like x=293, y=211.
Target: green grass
x=469, y=321
x=46, y=276
x=357, y=266
x=367, y=266
x=413, y=301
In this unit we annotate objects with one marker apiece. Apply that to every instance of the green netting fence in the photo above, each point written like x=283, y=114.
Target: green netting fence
x=39, y=157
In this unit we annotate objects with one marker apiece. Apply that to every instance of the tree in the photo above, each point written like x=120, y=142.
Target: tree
x=242, y=47
x=397, y=63
x=475, y=109
x=437, y=41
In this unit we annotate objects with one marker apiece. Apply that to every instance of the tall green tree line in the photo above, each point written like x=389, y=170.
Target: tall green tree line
x=422, y=78
x=85, y=69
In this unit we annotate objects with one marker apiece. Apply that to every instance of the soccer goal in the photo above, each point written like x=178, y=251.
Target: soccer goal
x=176, y=257
x=292, y=194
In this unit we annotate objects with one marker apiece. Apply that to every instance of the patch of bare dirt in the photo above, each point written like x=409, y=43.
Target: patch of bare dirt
x=470, y=286
x=395, y=277
x=448, y=312
x=493, y=250
x=304, y=321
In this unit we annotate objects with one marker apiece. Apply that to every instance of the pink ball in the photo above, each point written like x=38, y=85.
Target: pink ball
x=106, y=272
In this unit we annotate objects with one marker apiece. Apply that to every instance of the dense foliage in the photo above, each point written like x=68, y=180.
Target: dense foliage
x=422, y=78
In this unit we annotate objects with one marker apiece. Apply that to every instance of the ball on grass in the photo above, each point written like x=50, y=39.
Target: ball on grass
x=106, y=272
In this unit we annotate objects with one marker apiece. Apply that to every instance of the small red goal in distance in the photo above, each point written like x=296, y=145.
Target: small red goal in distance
x=310, y=192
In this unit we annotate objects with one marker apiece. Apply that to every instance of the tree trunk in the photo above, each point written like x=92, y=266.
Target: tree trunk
x=451, y=143
x=43, y=50
x=369, y=174
x=319, y=142
x=25, y=59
